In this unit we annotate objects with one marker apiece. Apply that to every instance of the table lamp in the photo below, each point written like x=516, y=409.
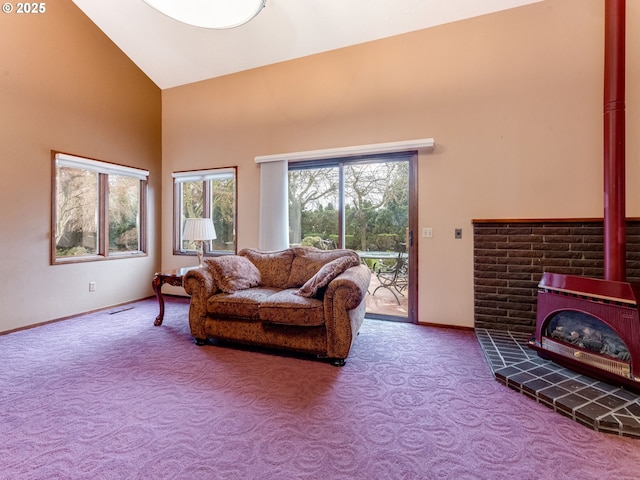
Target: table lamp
x=199, y=230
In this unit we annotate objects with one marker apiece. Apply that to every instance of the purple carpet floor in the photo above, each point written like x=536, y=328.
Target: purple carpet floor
x=109, y=396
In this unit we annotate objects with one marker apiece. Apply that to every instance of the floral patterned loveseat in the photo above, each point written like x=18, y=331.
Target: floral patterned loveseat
x=301, y=299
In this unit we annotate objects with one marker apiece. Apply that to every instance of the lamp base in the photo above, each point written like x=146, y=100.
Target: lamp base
x=199, y=252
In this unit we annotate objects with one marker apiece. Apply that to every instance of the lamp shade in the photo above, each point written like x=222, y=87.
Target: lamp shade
x=217, y=14
x=199, y=229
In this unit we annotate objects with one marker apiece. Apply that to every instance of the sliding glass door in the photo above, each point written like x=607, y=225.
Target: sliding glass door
x=364, y=204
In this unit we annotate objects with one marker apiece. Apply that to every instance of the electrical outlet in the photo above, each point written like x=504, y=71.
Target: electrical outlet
x=458, y=233
x=427, y=232
x=92, y=286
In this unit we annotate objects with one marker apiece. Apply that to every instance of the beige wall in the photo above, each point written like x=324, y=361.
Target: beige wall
x=513, y=100
x=64, y=86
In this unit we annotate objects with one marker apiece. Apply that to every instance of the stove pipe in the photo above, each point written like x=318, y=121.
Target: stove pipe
x=614, y=142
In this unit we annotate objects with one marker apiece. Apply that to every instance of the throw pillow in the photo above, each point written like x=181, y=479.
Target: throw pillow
x=309, y=260
x=232, y=273
x=315, y=285
x=274, y=266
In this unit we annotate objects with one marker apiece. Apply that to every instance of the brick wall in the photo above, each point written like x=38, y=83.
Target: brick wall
x=511, y=255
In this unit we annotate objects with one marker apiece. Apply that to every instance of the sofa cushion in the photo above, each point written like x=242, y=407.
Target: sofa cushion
x=233, y=272
x=309, y=260
x=316, y=285
x=239, y=304
x=274, y=266
x=287, y=308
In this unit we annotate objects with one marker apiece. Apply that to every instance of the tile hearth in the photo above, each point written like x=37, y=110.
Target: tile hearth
x=593, y=403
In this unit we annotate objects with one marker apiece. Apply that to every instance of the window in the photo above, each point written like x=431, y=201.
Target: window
x=359, y=203
x=98, y=210
x=206, y=194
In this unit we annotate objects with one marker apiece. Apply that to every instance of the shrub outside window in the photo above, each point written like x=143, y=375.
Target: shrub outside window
x=98, y=210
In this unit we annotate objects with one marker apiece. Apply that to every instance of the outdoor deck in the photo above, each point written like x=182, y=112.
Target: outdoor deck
x=384, y=303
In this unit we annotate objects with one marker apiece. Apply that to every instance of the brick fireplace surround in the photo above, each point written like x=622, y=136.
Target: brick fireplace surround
x=509, y=259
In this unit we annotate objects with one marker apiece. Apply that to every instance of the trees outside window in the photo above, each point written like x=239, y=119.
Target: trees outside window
x=97, y=209
x=376, y=204
x=76, y=228
x=124, y=208
x=313, y=205
x=361, y=204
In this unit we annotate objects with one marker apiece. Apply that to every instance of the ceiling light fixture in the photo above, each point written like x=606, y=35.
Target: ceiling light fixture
x=217, y=14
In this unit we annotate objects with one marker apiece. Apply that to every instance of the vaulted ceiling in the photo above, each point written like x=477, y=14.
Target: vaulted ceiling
x=172, y=53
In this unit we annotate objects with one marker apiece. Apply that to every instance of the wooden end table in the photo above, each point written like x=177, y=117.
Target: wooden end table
x=170, y=277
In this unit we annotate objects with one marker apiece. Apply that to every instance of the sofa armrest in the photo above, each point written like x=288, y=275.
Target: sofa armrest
x=200, y=284
x=344, y=309
x=351, y=286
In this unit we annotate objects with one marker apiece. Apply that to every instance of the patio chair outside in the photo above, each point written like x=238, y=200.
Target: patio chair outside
x=395, y=277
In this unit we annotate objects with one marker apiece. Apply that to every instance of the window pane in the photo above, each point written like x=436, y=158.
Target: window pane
x=206, y=194
x=76, y=212
x=223, y=213
x=192, y=206
x=124, y=214
x=377, y=205
x=313, y=207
